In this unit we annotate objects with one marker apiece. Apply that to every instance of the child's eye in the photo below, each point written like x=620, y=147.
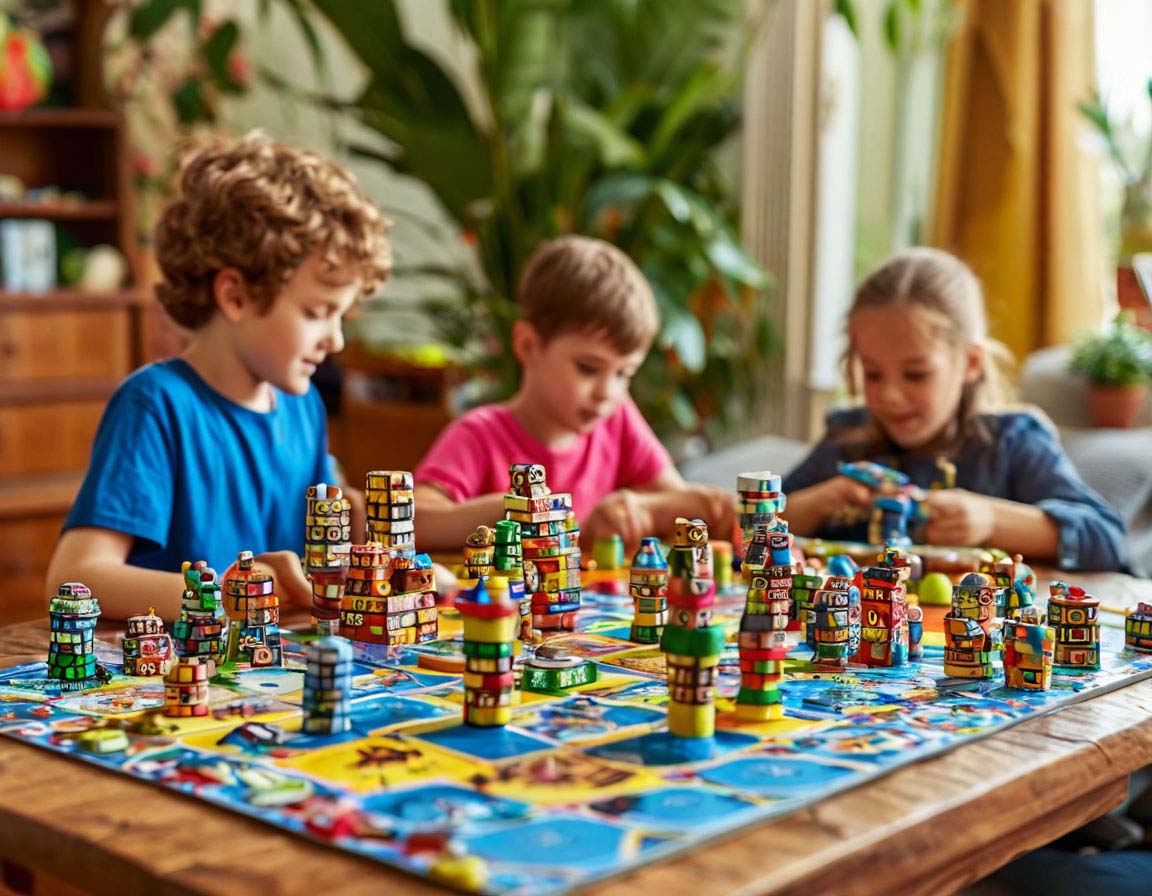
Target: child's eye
x=313, y=314
x=871, y=376
x=916, y=376
x=586, y=369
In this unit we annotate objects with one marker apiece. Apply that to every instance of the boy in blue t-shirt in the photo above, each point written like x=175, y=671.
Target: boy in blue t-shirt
x=264, y=249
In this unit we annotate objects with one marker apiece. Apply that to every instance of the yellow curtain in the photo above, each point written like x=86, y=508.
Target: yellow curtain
x=1016, y=194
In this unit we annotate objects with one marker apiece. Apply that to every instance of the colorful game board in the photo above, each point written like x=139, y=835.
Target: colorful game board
x=579, y=786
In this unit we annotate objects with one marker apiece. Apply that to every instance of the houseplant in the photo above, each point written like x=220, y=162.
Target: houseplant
x=1133, y=163
x=1118, y=366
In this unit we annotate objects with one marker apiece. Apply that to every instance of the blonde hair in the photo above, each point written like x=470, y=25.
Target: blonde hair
x=937, y=281
x=262, y=207
x=577, y=283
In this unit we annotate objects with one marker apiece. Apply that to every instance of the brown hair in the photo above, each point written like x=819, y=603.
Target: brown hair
x=261, y=207
x=577, y=283
x=940, y=282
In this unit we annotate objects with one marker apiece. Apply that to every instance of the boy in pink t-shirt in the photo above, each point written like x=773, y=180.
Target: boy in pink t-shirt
x=588, y=318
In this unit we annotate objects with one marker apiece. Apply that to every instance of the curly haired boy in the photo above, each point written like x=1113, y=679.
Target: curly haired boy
x=264, y=249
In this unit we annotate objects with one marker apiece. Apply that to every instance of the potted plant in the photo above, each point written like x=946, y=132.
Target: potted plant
x=1118, y=366
x=1134, y=165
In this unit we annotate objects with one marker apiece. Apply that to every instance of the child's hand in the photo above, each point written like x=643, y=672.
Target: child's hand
x=834, y=494
x=717, y=507
x=292, y=587
x=623, y=513
x=959, y=517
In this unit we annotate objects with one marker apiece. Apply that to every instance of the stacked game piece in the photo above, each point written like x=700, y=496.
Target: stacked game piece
x=147, y=646
x=363, y=611
x=804, y=589
x=648, y=585
x=186, y=687
x=327, y=541
x=550, y=540
x=760, y=502
x=391, y=511
x=690, y=642
x=327, y=686
x=72, y=644
x=199, y=632
x=763, y=625
x=508, y=564
x=478, y=552
x=1073, y=616
x=553, y=668
x=399, y=610
x=253, y=611
x=1138, y=628
x=1028, y=651
x=884, y=611
x=968, y=628
x=833, y=630
x=491, y=623
x=1015, y=585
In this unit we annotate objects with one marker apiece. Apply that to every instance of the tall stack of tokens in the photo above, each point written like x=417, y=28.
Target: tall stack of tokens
x=72, y=644
x=186, y=687
x=327, y=686
x=253, y=615
x=550, y=540
x=648, y=586
x=690, y=642
x=392, y=514
x=200, y=630
x=762, y=639
x=491, y=623
x=364, y=609
x=1073, y=616
x=884, y=612
x=833, y=629
x=760, y=500
x=147, y=646
x=508, y=564
x=327, y=541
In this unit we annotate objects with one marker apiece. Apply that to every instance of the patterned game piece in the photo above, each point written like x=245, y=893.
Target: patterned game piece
x=491, y=622
x=690, y=642
x=1138, y=628
x=553, y=669
x=762, y=638
x=253, y=611
x=200, y=630
x=884, y=611
x=186, y=687
x=73, y=613
x=648, y=586
x=147, y=646
x=834, y=622
x=327, y=541
x=1072, y=614
x=968, y=628
x=327, y=686
x=1028, y=653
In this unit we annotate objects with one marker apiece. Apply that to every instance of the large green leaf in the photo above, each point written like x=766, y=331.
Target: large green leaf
x=152, y=15
x=216, y=52
x=612, y=146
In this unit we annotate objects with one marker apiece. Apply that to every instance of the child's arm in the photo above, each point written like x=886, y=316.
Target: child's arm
x=808, y=508
x=442, y=524
x=98, y=558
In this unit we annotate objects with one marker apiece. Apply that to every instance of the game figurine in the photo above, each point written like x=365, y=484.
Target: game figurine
x=898, y=513
x=763, y=625
x=508, y=564
x=200, y=630
x=1028, y=652
x=891, y=517
x=253, y=611
x=760, y=501
x=648, y=586
x=478, y=551
x=1072, y=614
x=491, y=622
x=554, y=669
x=968, y=628
x=327, y=540
x=1015, y=584
x=834, y=622
x=804, y=589
x=915, y=632
x=186, y=687
x=691, y=643
x=73, y=613
x=327, y=686
x=1138, y=628
x=550, y=540
x=884, y=611
x=147, y=646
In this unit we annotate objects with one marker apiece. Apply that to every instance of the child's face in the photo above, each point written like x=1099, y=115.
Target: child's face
x=912, y=376
x=301, y=328
x=578, y=379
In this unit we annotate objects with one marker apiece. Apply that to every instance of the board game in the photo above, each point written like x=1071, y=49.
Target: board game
x=582, y=783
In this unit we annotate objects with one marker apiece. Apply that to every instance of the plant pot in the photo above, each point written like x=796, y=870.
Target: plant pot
x=1115, y=406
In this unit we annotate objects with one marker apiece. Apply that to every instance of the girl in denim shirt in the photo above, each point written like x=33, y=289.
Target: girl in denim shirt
x=919, y=353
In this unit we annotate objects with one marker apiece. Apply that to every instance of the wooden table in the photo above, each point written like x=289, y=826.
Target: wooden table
x=926, y=828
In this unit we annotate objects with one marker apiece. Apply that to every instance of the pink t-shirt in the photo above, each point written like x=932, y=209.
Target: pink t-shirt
x=472, y=455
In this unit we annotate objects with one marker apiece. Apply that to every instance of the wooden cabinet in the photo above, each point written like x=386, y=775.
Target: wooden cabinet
x=63, y=352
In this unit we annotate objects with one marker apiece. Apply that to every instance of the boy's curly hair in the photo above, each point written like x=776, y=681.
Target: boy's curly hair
x=582, y=284
x=262, y=207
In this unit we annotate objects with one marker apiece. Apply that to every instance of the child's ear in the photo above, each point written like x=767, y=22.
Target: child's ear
x=974, y=357
x=525, y=340
x=230, y=290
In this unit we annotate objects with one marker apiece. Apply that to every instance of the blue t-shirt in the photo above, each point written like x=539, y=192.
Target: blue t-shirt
x=192, y=475
x=1018, y=459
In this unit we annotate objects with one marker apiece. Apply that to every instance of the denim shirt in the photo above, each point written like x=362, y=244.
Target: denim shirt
x=1021, y=461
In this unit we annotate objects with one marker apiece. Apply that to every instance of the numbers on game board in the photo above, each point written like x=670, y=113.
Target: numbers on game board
x=145, y=668
x=354, y=618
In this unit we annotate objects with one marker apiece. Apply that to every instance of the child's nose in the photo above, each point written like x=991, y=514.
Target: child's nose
x=336, y=338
